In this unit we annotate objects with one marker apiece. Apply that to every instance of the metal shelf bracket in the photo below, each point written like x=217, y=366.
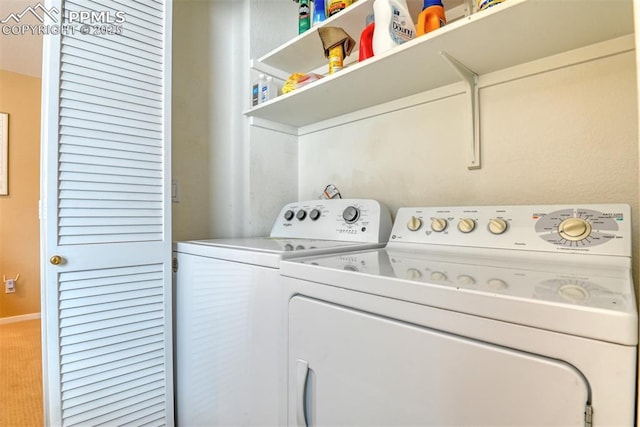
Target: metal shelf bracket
x=471, y=79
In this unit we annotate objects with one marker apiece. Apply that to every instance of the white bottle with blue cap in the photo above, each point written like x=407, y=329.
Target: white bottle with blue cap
x=394, y=25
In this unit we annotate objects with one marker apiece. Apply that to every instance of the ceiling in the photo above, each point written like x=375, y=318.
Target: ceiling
x=20, y=53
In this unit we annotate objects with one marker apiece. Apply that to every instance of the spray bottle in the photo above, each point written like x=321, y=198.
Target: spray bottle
x=304, y=15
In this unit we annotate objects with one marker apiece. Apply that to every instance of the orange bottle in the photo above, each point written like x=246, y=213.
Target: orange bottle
x=431, y=18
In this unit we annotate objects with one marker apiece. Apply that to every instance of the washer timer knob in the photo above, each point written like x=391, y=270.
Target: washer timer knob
x=574, y=229
x=497, y=226
x=438, y=224
x=466, y=225
x=414, y=223
x=351, y=214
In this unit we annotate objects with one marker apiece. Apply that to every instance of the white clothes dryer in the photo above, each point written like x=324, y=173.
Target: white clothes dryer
x=227, y=361
x=470, y=316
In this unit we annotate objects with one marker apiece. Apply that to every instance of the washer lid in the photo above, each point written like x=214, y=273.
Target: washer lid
x=591, y=299
x=267, y=251
x=280, y=246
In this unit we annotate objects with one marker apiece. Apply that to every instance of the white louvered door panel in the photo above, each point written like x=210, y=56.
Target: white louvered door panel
x=106, y=212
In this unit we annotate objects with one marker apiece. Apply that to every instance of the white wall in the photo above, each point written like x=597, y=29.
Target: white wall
x=272, y=156
x=564, y=136
x=224, y=167
x=205, y=117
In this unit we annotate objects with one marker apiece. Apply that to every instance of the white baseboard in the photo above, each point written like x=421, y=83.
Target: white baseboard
x=22, y=318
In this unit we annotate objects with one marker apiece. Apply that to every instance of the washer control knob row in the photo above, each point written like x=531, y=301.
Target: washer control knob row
x=574, y=229
x=351, y=214
x=497, y=226
x=414, y=223
x=439, y=224
x=466, y=225
x=302, y=214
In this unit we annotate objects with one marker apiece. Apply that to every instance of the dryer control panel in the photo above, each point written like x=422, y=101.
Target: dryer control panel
x=349, y=220
x=594, y=229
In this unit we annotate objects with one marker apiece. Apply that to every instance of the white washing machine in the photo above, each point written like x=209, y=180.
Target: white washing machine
x=471, y=316
x=227, y=361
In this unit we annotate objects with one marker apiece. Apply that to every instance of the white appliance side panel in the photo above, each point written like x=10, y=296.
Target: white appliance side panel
x=369, y=370
x=226, y=343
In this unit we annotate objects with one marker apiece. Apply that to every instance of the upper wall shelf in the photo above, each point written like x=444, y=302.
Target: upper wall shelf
x=512, y=33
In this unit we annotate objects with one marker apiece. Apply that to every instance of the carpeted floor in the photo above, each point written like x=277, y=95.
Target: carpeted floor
x=21, y=375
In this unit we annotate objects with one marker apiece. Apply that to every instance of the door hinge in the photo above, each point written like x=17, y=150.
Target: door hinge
x=174, y=265
x=588, y=415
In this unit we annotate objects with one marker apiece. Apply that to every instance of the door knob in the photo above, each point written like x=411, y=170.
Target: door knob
x=56, y=260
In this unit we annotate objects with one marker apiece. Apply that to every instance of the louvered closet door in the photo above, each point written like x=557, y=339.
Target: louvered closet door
x=106, y=214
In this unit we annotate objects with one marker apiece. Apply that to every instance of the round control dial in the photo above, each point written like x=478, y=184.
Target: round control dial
x=574, y=229
x=497, y=226
x=497, y=284
x=413, y=274
x=314, y=214
x=438, y=276
x=351, y=214
x=439, y=224
x=466, y=280
x=466, y=225
x=288, y=215
x=414, y=223
x=302, y=214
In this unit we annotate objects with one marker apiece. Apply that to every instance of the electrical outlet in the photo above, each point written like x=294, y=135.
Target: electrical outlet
x=175, y=191
x=9, y=286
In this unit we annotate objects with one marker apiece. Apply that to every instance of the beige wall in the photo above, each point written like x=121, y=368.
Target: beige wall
x=19, y=226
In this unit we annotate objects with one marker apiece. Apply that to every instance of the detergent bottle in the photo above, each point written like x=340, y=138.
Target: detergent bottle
x=365, y=49
x=394, y=25
x=431, y=18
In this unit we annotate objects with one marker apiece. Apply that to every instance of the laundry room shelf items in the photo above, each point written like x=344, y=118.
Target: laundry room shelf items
x=512, y=33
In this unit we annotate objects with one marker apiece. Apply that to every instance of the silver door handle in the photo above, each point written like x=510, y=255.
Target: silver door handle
x=302, y=372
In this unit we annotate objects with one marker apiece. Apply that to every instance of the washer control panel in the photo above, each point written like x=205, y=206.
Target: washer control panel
x=350, y=220
x=596, y=229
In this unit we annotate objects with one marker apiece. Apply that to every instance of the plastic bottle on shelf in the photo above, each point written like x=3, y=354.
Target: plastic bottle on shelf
x=394, y=25
x=431, y=18
x=304, y=15
x=256, y=90
x=365, y=49
x=269, y=90
x=319, y=11
x=255, y=94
